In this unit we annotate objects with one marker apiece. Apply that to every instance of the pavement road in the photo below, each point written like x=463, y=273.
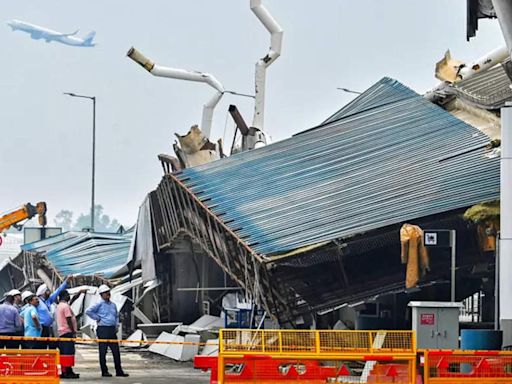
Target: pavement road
x=143, y=367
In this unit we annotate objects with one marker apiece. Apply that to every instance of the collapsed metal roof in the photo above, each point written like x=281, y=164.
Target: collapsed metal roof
x=85, y=253
x=488, y=90
x=387, y=157
x=280, y=219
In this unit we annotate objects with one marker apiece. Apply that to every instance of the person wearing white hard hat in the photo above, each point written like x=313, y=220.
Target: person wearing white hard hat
x=10, y=322
x=46, y=299
x=18, y=303
x=106, y=315
x=31, y=321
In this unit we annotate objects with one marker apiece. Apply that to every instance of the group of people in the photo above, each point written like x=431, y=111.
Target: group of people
x=34, y=316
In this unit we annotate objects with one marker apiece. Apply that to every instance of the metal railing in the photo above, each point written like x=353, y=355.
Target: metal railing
x=309, y=342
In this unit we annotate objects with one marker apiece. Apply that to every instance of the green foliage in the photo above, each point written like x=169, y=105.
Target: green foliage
x=102, y=222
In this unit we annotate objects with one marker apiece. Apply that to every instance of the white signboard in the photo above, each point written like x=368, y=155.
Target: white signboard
x=32, y=234
x=430, y=238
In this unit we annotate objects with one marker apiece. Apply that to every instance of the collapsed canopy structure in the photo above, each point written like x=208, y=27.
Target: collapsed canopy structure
x=279, y=219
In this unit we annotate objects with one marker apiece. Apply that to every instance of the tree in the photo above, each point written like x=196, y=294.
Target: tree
x=64, y=219
x=102, y=222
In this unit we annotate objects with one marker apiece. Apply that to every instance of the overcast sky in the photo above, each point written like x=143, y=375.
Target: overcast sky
x=45, y=146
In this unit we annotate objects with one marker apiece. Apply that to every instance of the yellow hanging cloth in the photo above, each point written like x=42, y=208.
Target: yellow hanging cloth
x=413, y=253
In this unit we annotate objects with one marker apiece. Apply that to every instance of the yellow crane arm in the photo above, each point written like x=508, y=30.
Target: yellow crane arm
x=26, y=212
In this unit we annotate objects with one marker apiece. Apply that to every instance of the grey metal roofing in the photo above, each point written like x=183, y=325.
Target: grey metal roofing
x=394, y=156
x=488, y=90
x=87, y=253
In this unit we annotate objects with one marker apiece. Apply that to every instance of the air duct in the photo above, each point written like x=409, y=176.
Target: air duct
x=182, y=74
x=276, y=39
x=451, y=70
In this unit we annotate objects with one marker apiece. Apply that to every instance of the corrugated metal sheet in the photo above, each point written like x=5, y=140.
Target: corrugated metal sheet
x=386, y=91
x=488, y=90
x=388, y=157
x=85, y=253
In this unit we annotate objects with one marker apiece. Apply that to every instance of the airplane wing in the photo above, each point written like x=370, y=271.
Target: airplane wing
x=36, y=35
x=62, y=34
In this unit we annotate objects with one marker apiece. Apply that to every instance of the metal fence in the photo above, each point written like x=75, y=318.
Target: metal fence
x=309, y=342
x=268, y=356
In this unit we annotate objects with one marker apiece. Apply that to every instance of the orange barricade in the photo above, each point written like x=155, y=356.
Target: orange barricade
x=286, y=356
x=29, y=366
x=459, y=367
x=365, y=369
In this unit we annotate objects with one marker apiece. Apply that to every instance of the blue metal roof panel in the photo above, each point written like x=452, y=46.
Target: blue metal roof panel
x=385, y=91
x=85, y=253
x=394, y=156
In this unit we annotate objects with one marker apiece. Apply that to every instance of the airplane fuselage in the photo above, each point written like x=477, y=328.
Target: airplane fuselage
x=41, y=33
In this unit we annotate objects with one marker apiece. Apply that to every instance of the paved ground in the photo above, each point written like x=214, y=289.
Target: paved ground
x=143, y=367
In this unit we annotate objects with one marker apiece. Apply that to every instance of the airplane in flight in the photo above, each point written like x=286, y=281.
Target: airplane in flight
x=36, y=32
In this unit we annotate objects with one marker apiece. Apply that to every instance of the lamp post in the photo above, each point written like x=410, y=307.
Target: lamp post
x=348, y=90
x=93, y=98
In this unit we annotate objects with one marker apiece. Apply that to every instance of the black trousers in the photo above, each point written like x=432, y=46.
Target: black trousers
x=9, y=344
x=67, y=348
x=34, y=344
x=47, y=332
x=108, y=333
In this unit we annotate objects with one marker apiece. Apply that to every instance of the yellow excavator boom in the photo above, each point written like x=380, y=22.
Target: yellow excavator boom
x=25, y=212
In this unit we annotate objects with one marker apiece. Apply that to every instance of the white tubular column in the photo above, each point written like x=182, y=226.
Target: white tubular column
x=276, y=39
x=182, y=74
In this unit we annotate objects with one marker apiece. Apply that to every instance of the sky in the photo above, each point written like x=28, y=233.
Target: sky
x=45, y=143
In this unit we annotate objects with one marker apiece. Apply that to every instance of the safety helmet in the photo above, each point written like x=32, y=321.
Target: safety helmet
x=103, y=288
x=41, y=290
x=12, y=293
x=25, y=295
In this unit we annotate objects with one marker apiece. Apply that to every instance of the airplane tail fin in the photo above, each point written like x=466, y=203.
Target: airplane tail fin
x=89, y=38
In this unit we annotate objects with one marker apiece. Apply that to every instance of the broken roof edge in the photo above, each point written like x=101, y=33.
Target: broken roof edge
x=259, y=257
x=298, y=251
x=403, y=92
x=487, y=90
x=296, y=254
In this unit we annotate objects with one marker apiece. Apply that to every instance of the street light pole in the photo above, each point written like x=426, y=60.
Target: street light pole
x=346, y=90
x=93, y=98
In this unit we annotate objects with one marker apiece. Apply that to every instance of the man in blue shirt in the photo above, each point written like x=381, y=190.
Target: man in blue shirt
x=46, y=299
x=10, y=321
x=31, y=320
x=105, y=314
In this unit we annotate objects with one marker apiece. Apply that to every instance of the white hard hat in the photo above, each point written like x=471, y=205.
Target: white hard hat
x=25, y=295
x=103, y=288
x=41, y=290
x=12, y=292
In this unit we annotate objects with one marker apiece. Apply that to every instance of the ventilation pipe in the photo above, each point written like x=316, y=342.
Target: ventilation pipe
x=452, y=70
x=182, y=74
x=276, y=39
